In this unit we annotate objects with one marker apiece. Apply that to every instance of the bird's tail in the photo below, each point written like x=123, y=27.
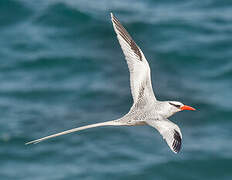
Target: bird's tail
x=108, y=123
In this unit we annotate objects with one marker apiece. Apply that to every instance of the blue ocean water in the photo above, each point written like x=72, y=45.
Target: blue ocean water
x=62, y=67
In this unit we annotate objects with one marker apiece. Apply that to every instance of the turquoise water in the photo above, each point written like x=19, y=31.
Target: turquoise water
x=62, y=67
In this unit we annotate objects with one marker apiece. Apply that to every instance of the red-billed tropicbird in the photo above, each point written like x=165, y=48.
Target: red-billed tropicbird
x=146, y=109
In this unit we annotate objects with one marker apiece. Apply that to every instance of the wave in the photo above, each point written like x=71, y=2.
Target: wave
x=13, y=12
x=62, y=16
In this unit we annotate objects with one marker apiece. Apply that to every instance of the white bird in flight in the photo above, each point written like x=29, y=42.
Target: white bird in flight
x=146, y=109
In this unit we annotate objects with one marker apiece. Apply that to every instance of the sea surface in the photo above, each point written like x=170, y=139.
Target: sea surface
x=61, y=67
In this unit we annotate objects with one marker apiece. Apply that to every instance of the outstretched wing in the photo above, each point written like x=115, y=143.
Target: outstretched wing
x=140, y=79
x=170, y=132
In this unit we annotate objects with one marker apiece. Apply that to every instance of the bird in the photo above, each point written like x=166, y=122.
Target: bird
x=146, y=109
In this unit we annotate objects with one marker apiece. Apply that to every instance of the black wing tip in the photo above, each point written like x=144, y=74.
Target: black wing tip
x=177, y=142
x=125, y=35
x=113, y=17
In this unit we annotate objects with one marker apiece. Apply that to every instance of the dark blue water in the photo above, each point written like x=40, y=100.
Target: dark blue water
x=62, y=67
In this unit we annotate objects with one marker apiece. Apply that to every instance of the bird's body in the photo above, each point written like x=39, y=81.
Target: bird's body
x=146, y=109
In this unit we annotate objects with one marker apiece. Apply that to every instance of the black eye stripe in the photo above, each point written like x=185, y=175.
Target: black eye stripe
x=178, y=106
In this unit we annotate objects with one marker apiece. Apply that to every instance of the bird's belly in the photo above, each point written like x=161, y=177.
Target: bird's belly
x=136, y=123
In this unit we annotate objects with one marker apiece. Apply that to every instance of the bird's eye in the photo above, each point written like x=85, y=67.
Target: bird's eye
x=176, y=105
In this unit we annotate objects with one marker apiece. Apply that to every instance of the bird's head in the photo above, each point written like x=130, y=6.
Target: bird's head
x=175, y=106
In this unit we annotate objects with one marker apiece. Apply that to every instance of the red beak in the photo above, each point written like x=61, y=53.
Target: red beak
x=185, y=107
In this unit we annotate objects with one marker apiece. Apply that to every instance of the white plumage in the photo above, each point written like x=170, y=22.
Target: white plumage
x=146, y=109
